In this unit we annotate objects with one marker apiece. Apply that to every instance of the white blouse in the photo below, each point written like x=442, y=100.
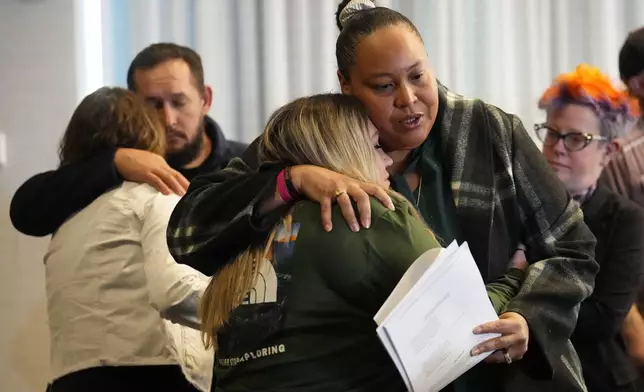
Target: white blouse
x=110, y=277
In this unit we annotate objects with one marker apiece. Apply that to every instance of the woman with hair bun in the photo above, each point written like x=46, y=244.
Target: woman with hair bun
x=470, y=170
x=295, y=312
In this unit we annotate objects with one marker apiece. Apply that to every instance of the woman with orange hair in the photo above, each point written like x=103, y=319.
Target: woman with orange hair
x=586, y=117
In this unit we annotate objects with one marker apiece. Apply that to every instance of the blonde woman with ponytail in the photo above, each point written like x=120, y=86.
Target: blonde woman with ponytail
x=294, y=311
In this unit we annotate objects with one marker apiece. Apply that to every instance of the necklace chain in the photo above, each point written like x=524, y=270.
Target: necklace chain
x=420, y=188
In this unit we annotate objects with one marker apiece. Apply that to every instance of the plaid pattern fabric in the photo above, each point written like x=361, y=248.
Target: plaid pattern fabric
x=214, y=221
x=505, y=194
x=517, y=199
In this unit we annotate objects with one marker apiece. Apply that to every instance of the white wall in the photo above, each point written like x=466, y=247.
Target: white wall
x=38, y=94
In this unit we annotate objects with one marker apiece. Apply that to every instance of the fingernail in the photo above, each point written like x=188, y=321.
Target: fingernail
x=477, y=330
x=366, y=223
x=355, y=227
x=327, y=228
x=475, y=351
x=391, y=207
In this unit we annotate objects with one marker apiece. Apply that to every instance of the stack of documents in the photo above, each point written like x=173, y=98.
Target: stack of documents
x=426, y=323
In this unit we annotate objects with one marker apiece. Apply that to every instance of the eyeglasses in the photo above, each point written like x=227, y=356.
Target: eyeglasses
x=573, y=141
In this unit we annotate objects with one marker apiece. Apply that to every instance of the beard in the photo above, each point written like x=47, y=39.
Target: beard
x=180, y=158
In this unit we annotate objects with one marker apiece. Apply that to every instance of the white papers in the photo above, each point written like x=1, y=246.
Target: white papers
x=426, y=323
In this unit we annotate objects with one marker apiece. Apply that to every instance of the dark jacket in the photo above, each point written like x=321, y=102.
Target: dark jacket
x=618, y=225
x=504, y=194
x=46, y=200
x=307, y=325
x=624, y=174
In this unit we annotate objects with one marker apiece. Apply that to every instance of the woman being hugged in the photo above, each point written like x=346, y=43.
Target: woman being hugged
x=109, y=275
x=296, y=312
x=470, y=169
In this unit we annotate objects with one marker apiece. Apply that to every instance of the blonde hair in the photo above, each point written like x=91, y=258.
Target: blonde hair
x=326, y=130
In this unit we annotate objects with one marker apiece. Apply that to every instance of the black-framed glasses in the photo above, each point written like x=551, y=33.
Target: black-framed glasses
x=573, y=141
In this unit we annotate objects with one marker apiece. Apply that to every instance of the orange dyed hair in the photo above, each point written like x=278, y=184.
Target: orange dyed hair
x=589, y=87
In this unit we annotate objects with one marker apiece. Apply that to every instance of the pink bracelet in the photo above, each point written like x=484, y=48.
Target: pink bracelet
x=282, y=189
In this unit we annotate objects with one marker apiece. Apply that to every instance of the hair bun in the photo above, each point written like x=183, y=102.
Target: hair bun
x=353, y=7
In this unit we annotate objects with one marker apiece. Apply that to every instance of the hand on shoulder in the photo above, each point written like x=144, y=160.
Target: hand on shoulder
x=327, y=187
x=149, y=168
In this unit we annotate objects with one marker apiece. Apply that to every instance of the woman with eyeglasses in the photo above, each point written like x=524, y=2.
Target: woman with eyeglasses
x=586, y=116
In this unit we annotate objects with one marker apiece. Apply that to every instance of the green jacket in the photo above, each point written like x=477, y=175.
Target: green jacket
x=308, y=324
x=311, y=313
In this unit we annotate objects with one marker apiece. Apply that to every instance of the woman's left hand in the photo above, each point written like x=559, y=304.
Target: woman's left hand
x=514, y=339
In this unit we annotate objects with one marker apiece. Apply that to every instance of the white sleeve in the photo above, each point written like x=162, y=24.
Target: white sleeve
x=174, y=289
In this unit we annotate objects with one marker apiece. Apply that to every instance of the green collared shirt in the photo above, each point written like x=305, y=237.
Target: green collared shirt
x=433, y=198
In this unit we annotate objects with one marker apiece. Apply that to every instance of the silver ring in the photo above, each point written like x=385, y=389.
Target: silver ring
x=508, y=359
